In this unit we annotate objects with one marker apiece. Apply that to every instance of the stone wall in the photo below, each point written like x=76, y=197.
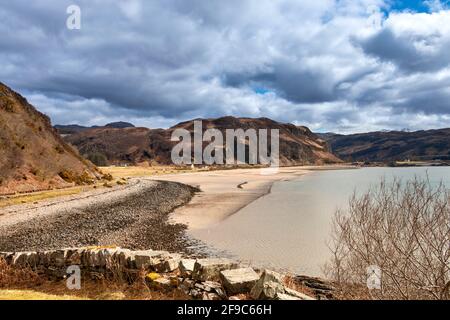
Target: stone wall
x=207, y=279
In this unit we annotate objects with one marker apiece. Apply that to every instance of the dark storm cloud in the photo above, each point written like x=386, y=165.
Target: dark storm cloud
x=320, y=63
x=298, y=86
x=403, y=52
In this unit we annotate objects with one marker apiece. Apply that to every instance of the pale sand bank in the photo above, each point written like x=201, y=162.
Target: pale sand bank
x=227, y=191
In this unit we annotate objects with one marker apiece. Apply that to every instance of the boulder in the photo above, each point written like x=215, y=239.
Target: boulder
x=124, y=258
x=163, y=284
x=238, y=281
x=209, y=269
x=25, y=259
x=186, y=267
x=268, y=286
x=149, y=258
x=169, y=264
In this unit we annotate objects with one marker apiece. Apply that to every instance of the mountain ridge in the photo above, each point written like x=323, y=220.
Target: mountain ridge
x=298, y=145
x=385, y=146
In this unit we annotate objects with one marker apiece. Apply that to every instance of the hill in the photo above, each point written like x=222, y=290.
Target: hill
x=33, y=155
x=385, y=146
x=298, y=145
x=75, y=128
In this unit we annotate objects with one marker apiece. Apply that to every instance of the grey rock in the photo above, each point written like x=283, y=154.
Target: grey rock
x=25, y=259
x=209, y=269
x=149, y=258
x=186, y=267
x=162, y=284
x=238, y=281
x=124, y=258
x=268, y=286
x=169, y=264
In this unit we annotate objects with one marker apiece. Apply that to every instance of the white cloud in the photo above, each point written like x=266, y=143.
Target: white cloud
x=333, y=65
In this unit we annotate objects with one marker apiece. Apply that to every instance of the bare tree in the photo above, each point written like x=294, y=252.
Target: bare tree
x=404, y=229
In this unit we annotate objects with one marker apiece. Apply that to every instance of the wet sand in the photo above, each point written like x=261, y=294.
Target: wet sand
x=227, y=191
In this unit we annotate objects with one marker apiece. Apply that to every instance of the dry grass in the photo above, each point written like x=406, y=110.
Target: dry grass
x=41, y=195
x=137, y=171
x=17, y=277
x=24, y=284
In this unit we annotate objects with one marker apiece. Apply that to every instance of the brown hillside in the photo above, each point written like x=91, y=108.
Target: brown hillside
x=392, y=145
x=32, y=155
x=298, y=145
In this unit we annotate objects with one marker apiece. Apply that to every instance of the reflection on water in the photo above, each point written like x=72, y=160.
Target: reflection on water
x=289, y=228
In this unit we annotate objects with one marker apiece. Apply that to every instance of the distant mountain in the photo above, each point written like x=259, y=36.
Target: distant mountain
x=385, y=146
x=70, y=128
x=119, y=125
x=298, y=145
x=75, y=128
x=33, y=155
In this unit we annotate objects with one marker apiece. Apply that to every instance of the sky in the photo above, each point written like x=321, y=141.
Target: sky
x=333, y=65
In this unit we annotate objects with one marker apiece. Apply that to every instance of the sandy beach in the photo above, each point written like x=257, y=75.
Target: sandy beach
x=225, y=192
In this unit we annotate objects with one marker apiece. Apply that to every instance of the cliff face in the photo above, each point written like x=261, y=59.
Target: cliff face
x=32, y=155
x=298, y=145
x=392, y=145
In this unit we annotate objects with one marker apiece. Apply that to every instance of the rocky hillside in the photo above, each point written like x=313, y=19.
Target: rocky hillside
x=33, y=155
x=392, y=145
x=298, y=145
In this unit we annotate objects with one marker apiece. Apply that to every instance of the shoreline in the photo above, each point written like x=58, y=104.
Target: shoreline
x=135, y=214
x=226, y=192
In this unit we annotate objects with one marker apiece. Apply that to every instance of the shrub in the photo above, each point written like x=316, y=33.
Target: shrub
x=71, y=177
x=404, y=229
x=98, y=159
x=17, y=277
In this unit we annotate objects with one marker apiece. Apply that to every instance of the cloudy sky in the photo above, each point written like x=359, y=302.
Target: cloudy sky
x=333, y=65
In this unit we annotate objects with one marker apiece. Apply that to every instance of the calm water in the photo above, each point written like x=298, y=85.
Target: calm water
x=289, y=229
